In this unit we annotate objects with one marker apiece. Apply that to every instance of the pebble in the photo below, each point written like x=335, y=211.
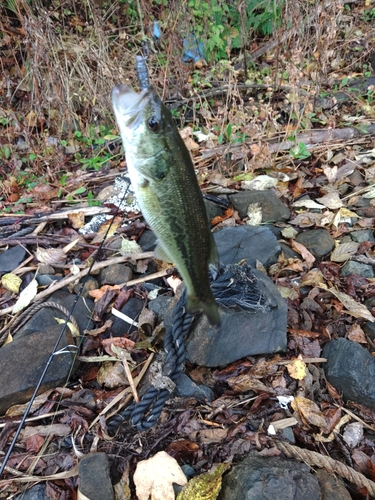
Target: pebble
x=351, y=370
x=363, y=235
x=272, y=208
x=94, y=477
x=352, y=267
x=12, y=258
x=318, y=241
x=258, y=477
x=249, y=243
x=37, y=492
x=117, y=274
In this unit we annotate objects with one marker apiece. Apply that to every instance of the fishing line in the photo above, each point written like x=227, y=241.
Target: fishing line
x=55, y=350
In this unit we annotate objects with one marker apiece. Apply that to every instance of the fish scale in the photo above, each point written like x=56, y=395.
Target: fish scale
x=167, y=190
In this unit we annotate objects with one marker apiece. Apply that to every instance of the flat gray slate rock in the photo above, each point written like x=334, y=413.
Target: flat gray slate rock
x=94, y=477
x=273, y=209
x=251, y=243
x=12, y=258
x=241, y=333
x=22, y=363
x=257, y=477
x=351, y=369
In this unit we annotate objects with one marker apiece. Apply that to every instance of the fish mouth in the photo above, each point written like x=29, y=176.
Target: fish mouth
x=128, y=105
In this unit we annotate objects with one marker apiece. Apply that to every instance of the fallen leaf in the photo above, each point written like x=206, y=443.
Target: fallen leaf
x=26, y=296
x=77, y=219
x=107, y=229
x=11, y=282
x=254, y=213
x=260, y=183
x=289, y=232
x=112, y=375
x=246, y=382
x=309, y=411
x=307, y=203
x=99, y=292
x=205, y=486
x=155, y=477
x=73, y=330
x=344, y=251
x=331, y=200
x=313, y=278
x=305, y=254
x=51, y=256
x=297, y=369
x=356, y=334
x=129, y=247
x=353, y=307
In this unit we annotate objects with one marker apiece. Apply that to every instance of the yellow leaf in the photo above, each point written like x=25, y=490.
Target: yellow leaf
x=11, y=282
x=297, y=369
x=71, y=327
x=205, y=486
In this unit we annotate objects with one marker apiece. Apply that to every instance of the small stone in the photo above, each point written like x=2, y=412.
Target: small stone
x=147, y=241
x=272, y=208
x=12, y=258
x=132, y=308
x=249, y=243
x=369, y=329
x=45, y=269
x=351, y=370
x=117, y=274
x=213, y=209
x=47, y=279
x=362, y=235
x=90, y=284
x=258, y=477
x=352, y=267
x=37, y=492
x=23, y=360
x=187, y=388
x=318, y=241
x=331, y=487
x=94, y=477
x=241, y=333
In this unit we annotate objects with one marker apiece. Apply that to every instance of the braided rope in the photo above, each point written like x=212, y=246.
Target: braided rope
x=315, y=459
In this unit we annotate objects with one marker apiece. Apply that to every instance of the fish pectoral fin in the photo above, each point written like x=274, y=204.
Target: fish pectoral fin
x=161, y=254
x=194, y=305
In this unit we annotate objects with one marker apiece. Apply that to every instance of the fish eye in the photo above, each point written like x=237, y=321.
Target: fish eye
x=153, y=124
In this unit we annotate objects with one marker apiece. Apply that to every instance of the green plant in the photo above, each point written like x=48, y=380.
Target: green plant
x=300, y=151
x=225, y=25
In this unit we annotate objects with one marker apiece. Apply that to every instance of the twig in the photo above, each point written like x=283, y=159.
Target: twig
x=130, y=379
x=81, y=274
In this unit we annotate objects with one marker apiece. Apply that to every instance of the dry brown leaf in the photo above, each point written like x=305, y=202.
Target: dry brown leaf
x=120, y=342
x=77, y=219
x=331, y=200
x=309, y=411
x=246, y=382
x=344, y=251
x=297, y=369
x=305, y=254
x=312, y=278
x=51, y=256
x=155, y=477
x=254, y=213
x=353, y=307
x=102, y=233
x=112, y=375
x=208, y=436
x=356, y=334
x=307, y=203
x=99, y=292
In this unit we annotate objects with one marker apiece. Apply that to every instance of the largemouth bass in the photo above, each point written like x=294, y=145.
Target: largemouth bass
x=167, y=190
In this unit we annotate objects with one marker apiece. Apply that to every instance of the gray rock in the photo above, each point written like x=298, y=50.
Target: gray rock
x=94, y=477
x=247, y=242
x=12, y=258
x=23, y=360
x=369, y=329
x=45, y=269
x=45, y=317
x=363, y=235
x=37, y=492
x=256, y=478
x=351, y=370
x=147, y=241
x=90, y=284
x=117, y=274
x=352, y=267
x=241, y=333
x=272, y=208
x=187, y=388
x=212, y=209
x=132, y=308
x=47, y=279
x=318, y=241
x=160, y=306
x=331, y=487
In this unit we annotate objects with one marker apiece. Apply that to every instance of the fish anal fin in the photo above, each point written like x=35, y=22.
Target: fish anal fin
x=161, y=254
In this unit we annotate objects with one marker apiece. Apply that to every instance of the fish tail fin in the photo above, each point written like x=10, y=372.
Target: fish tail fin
x=209, y=307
